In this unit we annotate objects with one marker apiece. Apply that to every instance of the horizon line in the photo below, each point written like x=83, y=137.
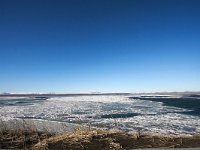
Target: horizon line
x=92, y=93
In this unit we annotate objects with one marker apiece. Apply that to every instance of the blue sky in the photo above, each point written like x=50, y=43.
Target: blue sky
x=99, y=45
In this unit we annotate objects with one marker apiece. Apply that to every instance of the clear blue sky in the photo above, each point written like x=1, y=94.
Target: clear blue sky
x=69, y=46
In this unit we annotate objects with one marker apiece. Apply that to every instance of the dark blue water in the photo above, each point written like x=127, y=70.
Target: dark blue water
x=125, y=115
x=190, y=103
x=21, y=101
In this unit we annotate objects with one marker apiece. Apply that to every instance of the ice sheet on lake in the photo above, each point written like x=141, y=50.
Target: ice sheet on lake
x=107, y=111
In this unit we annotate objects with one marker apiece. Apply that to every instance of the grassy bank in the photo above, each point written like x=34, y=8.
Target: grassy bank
x=90, y=139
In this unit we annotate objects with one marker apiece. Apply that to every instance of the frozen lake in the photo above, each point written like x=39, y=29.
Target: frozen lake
x=146, y=114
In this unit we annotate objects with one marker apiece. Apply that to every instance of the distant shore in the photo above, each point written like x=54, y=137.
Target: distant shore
x=187, y=93
x=61, y=95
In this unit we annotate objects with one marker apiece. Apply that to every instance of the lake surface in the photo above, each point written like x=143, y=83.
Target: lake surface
x=166, y=115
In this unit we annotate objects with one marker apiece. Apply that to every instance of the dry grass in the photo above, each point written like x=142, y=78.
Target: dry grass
x=88, y=139
x=23, y=137
x=80, y=140
x=19, y=139
x=93, y=139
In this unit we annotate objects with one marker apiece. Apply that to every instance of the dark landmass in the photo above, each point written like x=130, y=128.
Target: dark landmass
x=59, y=95
x=193, y=96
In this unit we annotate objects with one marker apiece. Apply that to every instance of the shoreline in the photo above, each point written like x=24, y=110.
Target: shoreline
x=59, y=127
x=81, y=137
